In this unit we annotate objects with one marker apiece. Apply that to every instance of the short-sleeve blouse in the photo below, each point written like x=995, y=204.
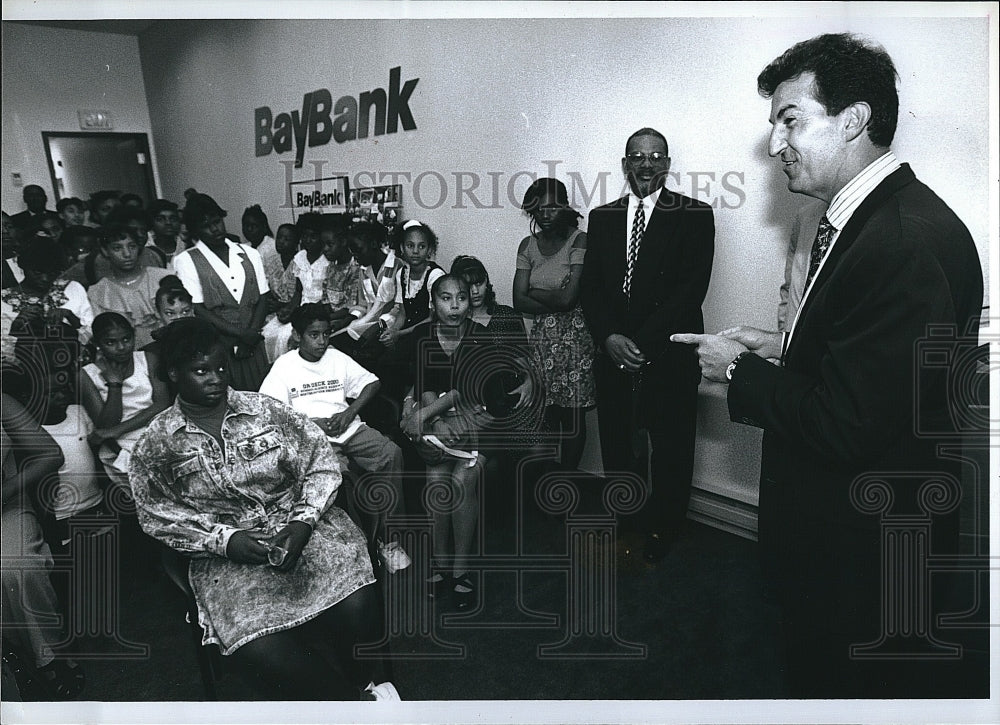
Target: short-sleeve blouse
x=549, y=271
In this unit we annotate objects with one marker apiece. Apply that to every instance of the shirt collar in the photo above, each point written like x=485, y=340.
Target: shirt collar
x=846, y=201
x=237, y=402
x=647, y=201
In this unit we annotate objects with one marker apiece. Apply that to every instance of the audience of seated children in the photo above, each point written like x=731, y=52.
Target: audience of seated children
x=30, y=606
x=164, y=239
x=417, y=244
x=43, y=294
x=129, y=287
x=119, y=393
x=446, y=356
x=227, y=284
x=332, y=388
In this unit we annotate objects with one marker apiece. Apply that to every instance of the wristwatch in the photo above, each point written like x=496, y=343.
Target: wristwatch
x=734, y=363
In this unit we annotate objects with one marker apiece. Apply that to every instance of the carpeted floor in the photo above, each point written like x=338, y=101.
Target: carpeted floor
x=561, y=617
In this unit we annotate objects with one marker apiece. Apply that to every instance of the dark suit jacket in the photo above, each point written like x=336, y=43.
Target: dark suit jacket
x=669, y=281
x=857, y=396
x=23, y=219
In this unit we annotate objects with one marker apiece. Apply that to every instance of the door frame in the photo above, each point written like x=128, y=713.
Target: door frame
x=141, y=139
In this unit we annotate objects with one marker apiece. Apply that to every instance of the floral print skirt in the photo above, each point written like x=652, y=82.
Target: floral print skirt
x=566, y=358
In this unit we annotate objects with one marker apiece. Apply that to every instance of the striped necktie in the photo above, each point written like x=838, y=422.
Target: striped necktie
x=824, y=235
x=638, y=227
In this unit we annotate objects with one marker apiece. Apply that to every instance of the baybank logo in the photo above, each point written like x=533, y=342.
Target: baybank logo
x=348, y=119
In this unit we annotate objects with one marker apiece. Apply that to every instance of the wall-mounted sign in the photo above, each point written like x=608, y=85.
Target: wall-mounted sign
x=321, y=119
x=324, y=196
x=95, y=120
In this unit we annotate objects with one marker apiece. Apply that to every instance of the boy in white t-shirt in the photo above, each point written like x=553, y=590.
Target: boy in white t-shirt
x=319, y=381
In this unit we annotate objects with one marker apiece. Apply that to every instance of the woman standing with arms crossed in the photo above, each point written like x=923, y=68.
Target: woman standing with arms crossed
x=547, y=285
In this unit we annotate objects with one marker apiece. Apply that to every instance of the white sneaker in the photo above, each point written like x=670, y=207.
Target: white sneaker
x=384, y=692
x=393, y=556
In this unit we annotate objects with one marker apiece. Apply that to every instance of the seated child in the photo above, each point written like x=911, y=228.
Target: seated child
x=340, y=284
x=173, y=303
x=417, y=244
x=302, y=283
x=449, y=357
x=43, y=294
x=119, y=394
x=164, y=238
x=286, y=246
x=49, y=393
x=46, y=224
x=100, y=206
x=318, y=380
x=72, y=211
x=129, y=288
x=79, y=242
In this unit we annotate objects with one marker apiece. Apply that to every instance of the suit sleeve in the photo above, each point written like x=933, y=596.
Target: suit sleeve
x=600, y=318
x=680, y=310
x=863, y=395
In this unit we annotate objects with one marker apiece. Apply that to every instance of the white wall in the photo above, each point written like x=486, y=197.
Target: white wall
x=48, y=75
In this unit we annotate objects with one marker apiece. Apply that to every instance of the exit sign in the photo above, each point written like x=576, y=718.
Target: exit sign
x=95, y=120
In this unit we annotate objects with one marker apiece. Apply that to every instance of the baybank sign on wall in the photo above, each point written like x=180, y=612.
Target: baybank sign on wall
x=320, y=119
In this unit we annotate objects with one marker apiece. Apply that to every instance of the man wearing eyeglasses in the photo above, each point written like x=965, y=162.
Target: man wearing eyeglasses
x=648, y=263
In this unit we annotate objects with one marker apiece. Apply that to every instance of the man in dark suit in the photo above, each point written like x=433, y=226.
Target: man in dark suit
x=35, y=199
x=649, y=259
x=853, y=414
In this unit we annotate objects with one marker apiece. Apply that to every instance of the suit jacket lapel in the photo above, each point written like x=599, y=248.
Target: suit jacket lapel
x=659, y=232
x=859, y=219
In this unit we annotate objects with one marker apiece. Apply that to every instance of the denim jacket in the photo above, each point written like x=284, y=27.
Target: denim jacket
x=277, y=467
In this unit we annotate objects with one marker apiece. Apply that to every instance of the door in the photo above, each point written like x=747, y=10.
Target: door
x=82, y=163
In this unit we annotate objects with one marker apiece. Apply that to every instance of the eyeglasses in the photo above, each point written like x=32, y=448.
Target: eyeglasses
x=637, y=157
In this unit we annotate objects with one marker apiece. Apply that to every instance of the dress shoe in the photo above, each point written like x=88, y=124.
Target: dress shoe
x=655, y=548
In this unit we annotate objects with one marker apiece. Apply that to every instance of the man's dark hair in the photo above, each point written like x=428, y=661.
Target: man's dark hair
x=848, y=69
x=307, y=314
x=647, y=131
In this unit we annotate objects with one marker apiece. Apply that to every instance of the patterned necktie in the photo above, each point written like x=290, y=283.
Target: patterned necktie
x=638, y=227
x=824, y=235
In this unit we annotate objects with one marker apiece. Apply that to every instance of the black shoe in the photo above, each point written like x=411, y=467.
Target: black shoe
x=655, y=548
x=464, y=598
